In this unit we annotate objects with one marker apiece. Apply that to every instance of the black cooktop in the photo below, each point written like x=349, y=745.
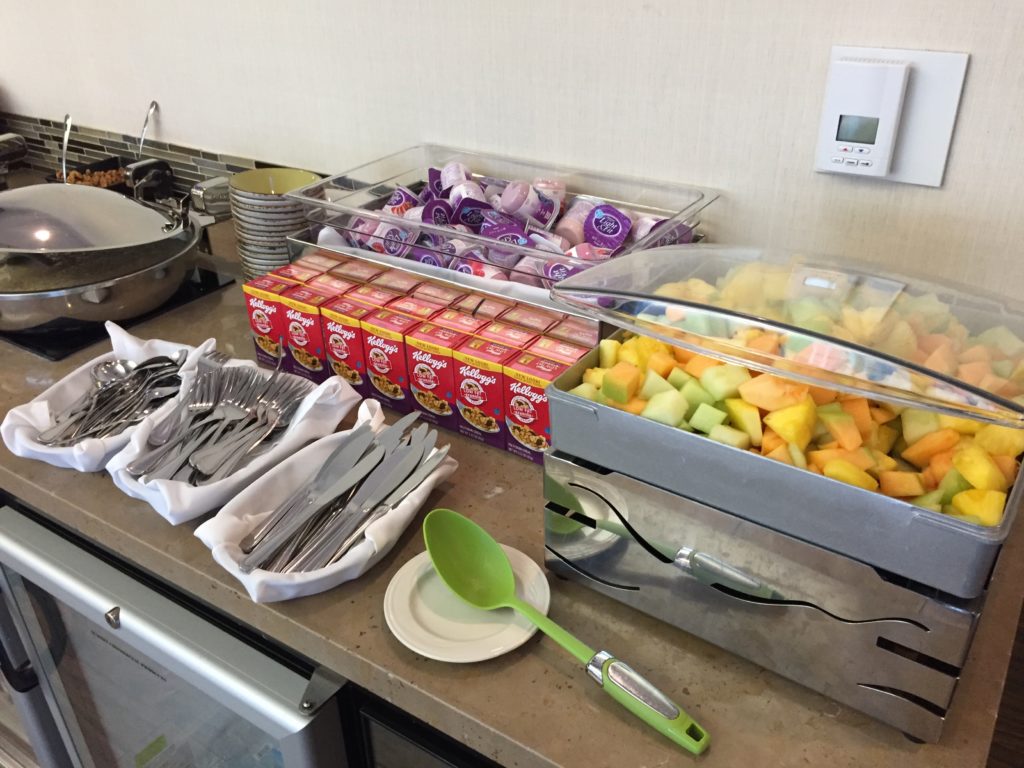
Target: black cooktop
x=57, y=339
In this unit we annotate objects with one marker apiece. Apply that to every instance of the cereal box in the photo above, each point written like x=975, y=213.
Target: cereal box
x=528, y=317
x=480, y=390
x=384, y=347
x=360, y=271
x=304, y=341
x=296, y=273
x=313, y=261
x=504, y=333
x=439, y=294
x=343, y=341
x=482, y=306
x=396, y=280
x=459, y=321
x=428, y=351
x=372, y=296
x=413, y=307
x=555, y=349
x=266, y=316
x=332, y=284
x=526, y=404
x=580, y=332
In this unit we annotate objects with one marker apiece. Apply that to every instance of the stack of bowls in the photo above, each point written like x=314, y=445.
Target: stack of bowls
x=264, y=217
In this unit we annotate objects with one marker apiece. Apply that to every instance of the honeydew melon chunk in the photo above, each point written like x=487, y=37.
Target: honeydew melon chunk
x=951, y=484
x=621, y=382
x=1000, y=440
x=745, y=417
x=685, y=426
x=984, y=504
x=722, y=434
x=931, y=500
x=677, y=377
x=845, y=472
x=722, y=381
x=608, y=352
x=835, y=408
x=585, y=390
x=695, y=394
x=1003, y=368
x=666, y=407
x=799, y=460
x=706, y=417
x=1002, y=338
x=649, y=317
x=653, y=384
x=917, y=424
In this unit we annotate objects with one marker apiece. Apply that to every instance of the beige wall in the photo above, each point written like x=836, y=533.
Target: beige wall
x=724, y=93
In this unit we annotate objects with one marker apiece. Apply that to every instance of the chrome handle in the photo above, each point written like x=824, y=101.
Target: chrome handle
x=153, y=108
x=64, y=148
x=113, y=617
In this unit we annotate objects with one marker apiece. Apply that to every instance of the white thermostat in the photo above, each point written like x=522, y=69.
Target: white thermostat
x=861, y=118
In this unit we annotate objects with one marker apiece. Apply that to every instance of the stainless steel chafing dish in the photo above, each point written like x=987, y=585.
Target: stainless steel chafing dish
x=868, y=599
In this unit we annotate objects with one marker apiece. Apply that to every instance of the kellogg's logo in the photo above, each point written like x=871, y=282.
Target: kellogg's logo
x=257, y=303
x=380, y=361
x=426, y=358
x=299, y=317
x=261, y=321
x=522, y=410
x=472, y=392
x=382, y=345
x=471, y=372
x=525, y=391
x=338, y=346
x=425, y=376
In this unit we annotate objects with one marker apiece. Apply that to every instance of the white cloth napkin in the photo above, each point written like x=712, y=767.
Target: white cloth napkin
x=227, y=528
x=177, y=502
x=23, y=423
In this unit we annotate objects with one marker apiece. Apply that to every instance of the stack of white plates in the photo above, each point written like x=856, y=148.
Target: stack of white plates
x=264, y=217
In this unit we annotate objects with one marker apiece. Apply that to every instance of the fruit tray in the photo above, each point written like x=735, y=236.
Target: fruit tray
x=707, y=301
x=371, y=206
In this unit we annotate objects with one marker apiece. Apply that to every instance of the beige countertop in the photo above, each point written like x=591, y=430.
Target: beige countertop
x=534, y=706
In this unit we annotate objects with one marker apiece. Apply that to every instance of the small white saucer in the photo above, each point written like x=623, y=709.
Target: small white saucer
x=429, y=619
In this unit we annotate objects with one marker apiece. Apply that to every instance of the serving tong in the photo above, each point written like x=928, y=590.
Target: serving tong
x=122, y=395
x=365, y=476
x=224, y=418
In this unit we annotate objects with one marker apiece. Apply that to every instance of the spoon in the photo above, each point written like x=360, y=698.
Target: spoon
x=475, y=567
x=109, y=371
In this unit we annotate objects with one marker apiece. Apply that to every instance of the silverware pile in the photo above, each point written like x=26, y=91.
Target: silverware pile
x=365, y=476
x=123, y=393
x=227, y=417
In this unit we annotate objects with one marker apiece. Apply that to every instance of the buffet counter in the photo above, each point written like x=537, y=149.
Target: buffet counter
x=533, y=706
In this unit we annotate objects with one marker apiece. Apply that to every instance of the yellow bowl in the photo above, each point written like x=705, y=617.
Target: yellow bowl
x=271, y=181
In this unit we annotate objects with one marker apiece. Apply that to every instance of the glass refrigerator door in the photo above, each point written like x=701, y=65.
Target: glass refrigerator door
x=137, y=681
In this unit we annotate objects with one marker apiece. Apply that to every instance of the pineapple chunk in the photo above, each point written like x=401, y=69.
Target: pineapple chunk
x=984, y=505
x=999, y=440
x=794, y=424
x=977, y=467
x=608, y=352
x=845, y=472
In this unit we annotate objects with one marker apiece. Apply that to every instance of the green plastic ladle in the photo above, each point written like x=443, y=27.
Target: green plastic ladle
x=475, y=567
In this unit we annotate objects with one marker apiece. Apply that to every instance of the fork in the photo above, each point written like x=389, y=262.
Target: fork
x=211, y=361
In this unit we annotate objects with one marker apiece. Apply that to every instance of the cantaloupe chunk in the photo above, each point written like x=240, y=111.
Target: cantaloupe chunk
x=943, y=360
x=977, y=353
x=635, y=406
x=682, y=356
x=941, y=463
x=770, y=441
x=822, y=396
x=973, y=462
x=621, y=382
x=780, y=453
x=985, y=505
x=1009, y=466
x=746, y=417
x=766, y=342
x=859, y=409
x=993, y=383
x=973, y=373
x=846, y=472
x=843, y=428
x=929, y=480
x=771, y=393
x=661, y=363
x=929, y=342
x=997, y=439
x=698, y=364
x=881, y=415
x=794, y=424
x=920, y=453
x=960, y=424
x=900, y=484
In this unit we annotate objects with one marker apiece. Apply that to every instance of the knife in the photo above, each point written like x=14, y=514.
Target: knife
x=295, y=522
x=344, y=455
x=389, y=437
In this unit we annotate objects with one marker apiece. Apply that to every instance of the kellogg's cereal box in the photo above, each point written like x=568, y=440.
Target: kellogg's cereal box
x=537, y=320
x=459, y=321
x=297, y=273
x=482, y=306
x=360, y=271
x=413, y=307
x=372, y=295
x=266, y=316
x=556, y=349
x=432, y=371
x=396, y=280
x=313, y=261
x=304, y=348
x=384, y=334
x=331, y=284
x=343, y=341
x=437, y=293
x=503, y=333
x=582, y=332
x=480, y=389
x=526, y=404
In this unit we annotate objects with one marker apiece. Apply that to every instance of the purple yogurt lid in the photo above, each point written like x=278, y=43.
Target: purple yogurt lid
x=401, y=200
x=606, y=226
x=469, y=212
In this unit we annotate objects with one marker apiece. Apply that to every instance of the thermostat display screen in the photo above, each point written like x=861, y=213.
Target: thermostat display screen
x=857, y=129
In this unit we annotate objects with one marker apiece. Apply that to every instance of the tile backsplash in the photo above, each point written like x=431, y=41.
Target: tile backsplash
x=87, y=145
